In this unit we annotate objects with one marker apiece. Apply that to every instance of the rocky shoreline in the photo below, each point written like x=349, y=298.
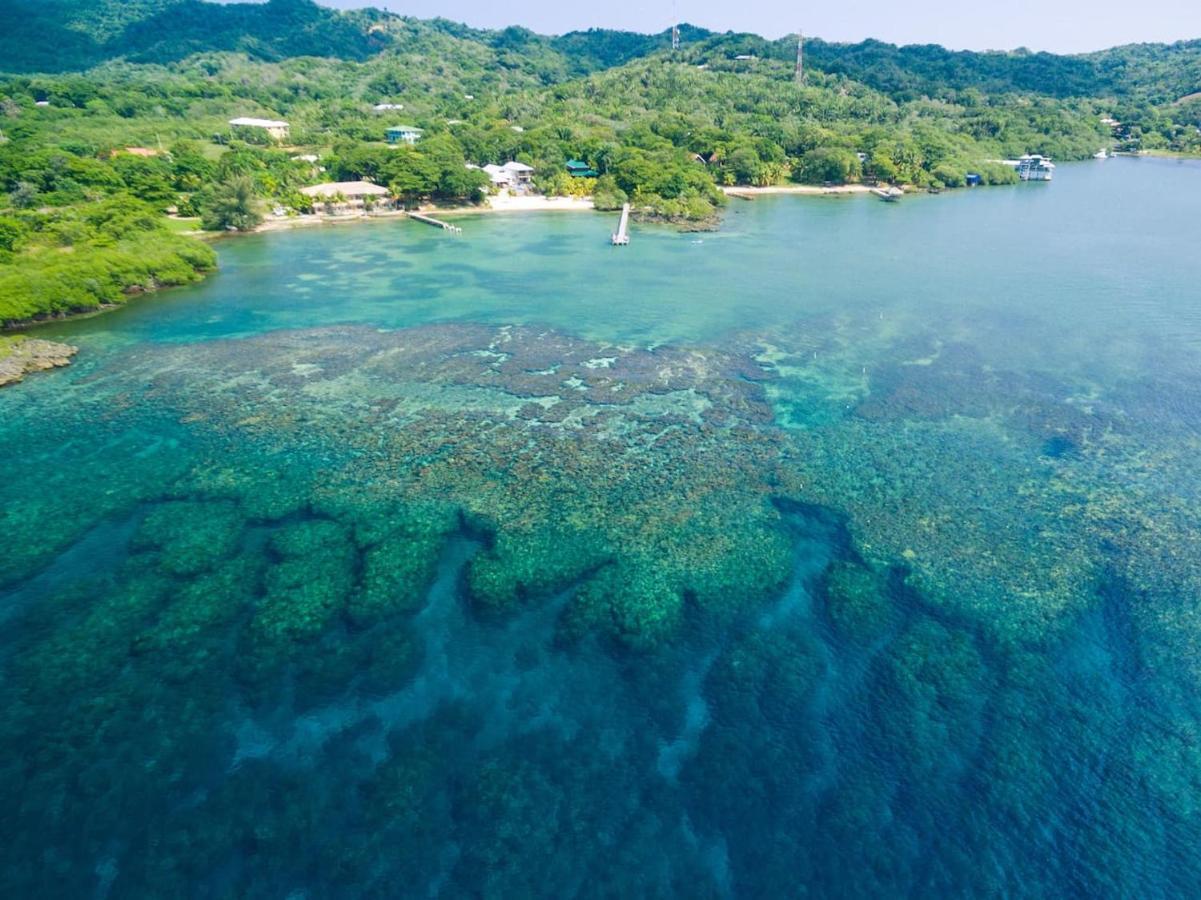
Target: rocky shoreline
x=21, y=356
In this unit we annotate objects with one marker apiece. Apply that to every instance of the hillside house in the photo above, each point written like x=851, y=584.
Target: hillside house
x=404, y=134
x=275, y=129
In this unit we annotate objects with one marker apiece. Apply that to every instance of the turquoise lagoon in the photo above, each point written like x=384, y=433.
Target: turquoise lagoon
x=852, y=549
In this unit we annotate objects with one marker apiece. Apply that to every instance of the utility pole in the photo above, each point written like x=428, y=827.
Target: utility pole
x=800, y=57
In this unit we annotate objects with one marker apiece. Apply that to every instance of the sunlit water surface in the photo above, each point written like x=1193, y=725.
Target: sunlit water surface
x=853, y=549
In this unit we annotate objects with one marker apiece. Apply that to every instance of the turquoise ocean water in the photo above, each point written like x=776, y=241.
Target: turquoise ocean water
x=852, y=549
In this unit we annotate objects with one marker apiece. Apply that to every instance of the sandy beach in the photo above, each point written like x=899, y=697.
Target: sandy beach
x=531, y=203
x=796, y=189
x=498, y=203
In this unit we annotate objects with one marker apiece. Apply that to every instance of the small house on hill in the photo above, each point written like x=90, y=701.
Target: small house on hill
x=579, y=169
x=404, y=134
x=273, y=128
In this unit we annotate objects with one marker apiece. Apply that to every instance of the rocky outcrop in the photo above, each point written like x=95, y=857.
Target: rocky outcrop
x=25, y=355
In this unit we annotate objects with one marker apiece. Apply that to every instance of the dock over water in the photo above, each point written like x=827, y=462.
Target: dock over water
x=430, y=220
x=621, y=236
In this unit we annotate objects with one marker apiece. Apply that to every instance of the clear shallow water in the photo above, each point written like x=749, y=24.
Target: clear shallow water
x=850, y=550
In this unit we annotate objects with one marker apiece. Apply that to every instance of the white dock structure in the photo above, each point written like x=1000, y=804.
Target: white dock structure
x=430, y=220
x=1031, y=167
x=621, y=236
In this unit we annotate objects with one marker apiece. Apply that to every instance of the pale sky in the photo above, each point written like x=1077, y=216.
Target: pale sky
x=1063, y=26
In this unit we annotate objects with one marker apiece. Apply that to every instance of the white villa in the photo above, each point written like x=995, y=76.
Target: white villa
x=511, y=174
x=275, y=129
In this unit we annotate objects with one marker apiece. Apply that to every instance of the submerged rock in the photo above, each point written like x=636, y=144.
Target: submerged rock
x=21, y=356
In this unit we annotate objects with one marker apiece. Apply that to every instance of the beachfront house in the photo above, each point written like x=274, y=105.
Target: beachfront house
x=510, y=175
x=497, y=175
x=347, y=196
x=579, y=169
x=249, y=127
x=519, y=173
x=404, y=134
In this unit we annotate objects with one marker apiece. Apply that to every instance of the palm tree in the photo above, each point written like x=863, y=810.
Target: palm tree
x=233, y=205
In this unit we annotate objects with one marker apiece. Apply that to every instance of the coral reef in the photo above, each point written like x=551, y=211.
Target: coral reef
x=645, y=474
x=497, y=611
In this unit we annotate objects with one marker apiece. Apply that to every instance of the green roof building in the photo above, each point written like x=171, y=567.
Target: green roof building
x=579, y=169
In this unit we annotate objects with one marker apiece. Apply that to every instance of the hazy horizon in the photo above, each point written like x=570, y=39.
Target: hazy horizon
x=1071, y=26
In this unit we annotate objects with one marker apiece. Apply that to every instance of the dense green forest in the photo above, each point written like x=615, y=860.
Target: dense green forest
x=86, y=81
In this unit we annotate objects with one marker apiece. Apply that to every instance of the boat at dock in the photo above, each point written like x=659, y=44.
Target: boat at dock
x=1032, y=167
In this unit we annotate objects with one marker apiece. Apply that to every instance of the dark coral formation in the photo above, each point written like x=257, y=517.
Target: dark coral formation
x=640, y=476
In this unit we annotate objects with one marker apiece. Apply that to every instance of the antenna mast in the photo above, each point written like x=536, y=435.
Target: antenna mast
x=800, y=57
x=675, y=27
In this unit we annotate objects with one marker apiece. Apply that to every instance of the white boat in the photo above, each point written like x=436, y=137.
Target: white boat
x=1101, y=154
x=889, y=195
x=1033, y=167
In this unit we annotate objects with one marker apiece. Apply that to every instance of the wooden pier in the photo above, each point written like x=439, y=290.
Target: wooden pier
x=430, y=220
x=621, y=236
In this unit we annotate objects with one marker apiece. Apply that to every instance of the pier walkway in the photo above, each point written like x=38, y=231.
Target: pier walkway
x=621, y=236
x=430, y=220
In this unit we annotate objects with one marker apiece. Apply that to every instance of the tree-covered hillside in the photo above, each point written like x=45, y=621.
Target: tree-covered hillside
x=1157, y=73
x=116, y=112
x=71, y=35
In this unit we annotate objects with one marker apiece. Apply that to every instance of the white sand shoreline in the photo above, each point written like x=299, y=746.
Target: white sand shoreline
x=497, y=204
x=524, y=203
x=797, y=189
x=507, y=203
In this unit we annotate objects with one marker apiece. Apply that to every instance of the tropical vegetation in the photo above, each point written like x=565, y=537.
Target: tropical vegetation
x=126, y=105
